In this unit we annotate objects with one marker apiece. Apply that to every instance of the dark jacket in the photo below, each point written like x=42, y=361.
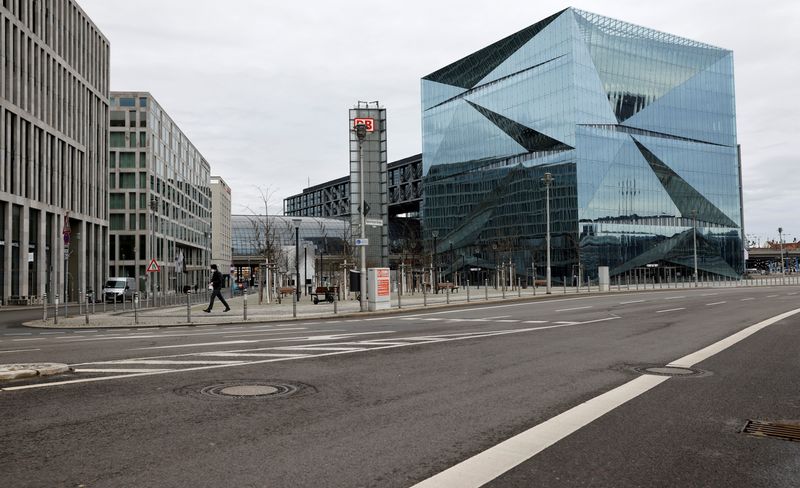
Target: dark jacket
x=216, y=280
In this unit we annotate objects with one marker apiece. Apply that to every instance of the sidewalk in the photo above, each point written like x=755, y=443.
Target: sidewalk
x=177, y=315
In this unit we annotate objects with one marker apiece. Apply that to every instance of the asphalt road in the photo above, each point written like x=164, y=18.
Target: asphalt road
x=393, y=401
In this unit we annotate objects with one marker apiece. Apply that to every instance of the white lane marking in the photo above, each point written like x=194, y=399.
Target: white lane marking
x=420, y=340
x=535, y=322
x=670, y=310
x=746, y=299
x=771, y=296
x=202, y=344
x=432, y=319
x=246, y=354
x=497, y=317
x=565, y=323
x=674, y=298
x=50, y=333
x=163, y=361
x=491, y=463
x=690, y=360
x=31, y=339
x=573, y=308
x=117, y=370
x=632, y=301
x=313, y=348
x=508, y=320
x=709, y=294
x=7, y=351
x=19, y=334
x=715, y=303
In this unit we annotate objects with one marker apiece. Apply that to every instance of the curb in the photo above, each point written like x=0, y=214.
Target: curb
x=28, y=370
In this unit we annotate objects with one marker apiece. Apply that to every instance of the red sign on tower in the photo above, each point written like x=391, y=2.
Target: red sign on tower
x=368, y=123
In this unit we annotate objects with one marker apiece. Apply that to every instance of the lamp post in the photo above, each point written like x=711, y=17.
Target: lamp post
x=452, y=263
x=694, y=232
x=496, y=269
x=780, y=243
x=435, y=263
x=548, y=180
x=154, y=209
x=297, y=223
x=361, y=134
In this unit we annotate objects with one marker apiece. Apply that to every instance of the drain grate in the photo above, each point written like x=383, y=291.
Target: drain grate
x=247, y=389
x=760, y=428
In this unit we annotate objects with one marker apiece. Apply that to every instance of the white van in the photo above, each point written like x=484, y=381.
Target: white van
x=119, y=289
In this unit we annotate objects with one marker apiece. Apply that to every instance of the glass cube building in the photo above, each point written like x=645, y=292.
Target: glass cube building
x=637, y=128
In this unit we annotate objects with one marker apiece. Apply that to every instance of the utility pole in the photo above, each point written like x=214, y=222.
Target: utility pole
x=694, y=230
x=548, y=180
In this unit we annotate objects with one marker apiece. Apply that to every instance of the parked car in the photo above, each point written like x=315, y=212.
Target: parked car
x=119, y=289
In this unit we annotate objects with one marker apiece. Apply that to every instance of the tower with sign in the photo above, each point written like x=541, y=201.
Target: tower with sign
x=376, y=200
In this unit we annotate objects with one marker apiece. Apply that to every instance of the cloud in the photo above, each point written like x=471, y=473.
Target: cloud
x=262, y=88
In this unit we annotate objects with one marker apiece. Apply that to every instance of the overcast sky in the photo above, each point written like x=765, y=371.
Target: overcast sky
x=262, y=88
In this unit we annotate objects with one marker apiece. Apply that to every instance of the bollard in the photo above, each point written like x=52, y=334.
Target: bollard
x=519, y=288
x=486, y=289
x=335, y=303
x=134, y=302
x=564, y=282
x=123, y=302
x=503, y=288
x=424, y=295
x=94, y=304
x=55, y=310
x=399, y=294
x=188, y=309
x=294, y=304
x=86, y=310
x=448, y=295
x=44, y=307
x=534, y=286
x=467, y=291
x=80, y=303
x=244, y=305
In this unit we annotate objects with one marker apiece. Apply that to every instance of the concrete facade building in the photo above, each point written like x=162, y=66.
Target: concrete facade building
x=159, y=197
x=221, y=252
x=54, y=87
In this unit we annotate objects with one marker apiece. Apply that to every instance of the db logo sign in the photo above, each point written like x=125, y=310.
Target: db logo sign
x=368, y=123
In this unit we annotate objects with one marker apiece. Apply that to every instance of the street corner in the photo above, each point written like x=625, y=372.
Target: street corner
x=15, y=371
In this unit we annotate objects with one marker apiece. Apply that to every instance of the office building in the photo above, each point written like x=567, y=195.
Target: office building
x=637, y=128
x=54, y=87
x=221, y=253
x=159, y=198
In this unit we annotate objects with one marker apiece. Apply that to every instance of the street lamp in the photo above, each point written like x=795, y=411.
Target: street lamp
x=780, y=243
x=694, y=231
x=548, y=180
x=361, y=134
x=297, y=223
x=154, y=208
x=435, y=262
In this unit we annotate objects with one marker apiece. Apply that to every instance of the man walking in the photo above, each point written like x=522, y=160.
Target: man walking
x=216, y=284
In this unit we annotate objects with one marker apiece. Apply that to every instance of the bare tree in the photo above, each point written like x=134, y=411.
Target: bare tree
x=265, y=238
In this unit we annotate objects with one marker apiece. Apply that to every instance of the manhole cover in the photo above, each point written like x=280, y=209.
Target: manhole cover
x=248, y=390
x=760, y=428
x=255, y=389
x=670, y=371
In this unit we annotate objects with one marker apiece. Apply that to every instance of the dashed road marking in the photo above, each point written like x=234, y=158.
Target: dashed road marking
x=670, y=310
x=573, y=308
x=715, y=303
x=674, y=298
x=7, y=351
x=746, y=299
x=632, y=301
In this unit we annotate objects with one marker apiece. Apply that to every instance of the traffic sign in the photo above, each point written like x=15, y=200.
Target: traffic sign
x=374, y=222
x=362, y=242
x=153, y=267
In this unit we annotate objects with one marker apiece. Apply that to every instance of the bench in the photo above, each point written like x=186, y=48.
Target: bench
x=446, y=285
x=286, y=290
x=326, y=293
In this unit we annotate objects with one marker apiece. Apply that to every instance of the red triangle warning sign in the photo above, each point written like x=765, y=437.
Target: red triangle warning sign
x=153, y=267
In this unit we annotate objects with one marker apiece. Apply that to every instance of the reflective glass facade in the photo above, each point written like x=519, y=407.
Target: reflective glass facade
x=636, y=126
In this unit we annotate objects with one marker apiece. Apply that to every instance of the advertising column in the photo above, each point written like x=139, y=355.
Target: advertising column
x=378, y=289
